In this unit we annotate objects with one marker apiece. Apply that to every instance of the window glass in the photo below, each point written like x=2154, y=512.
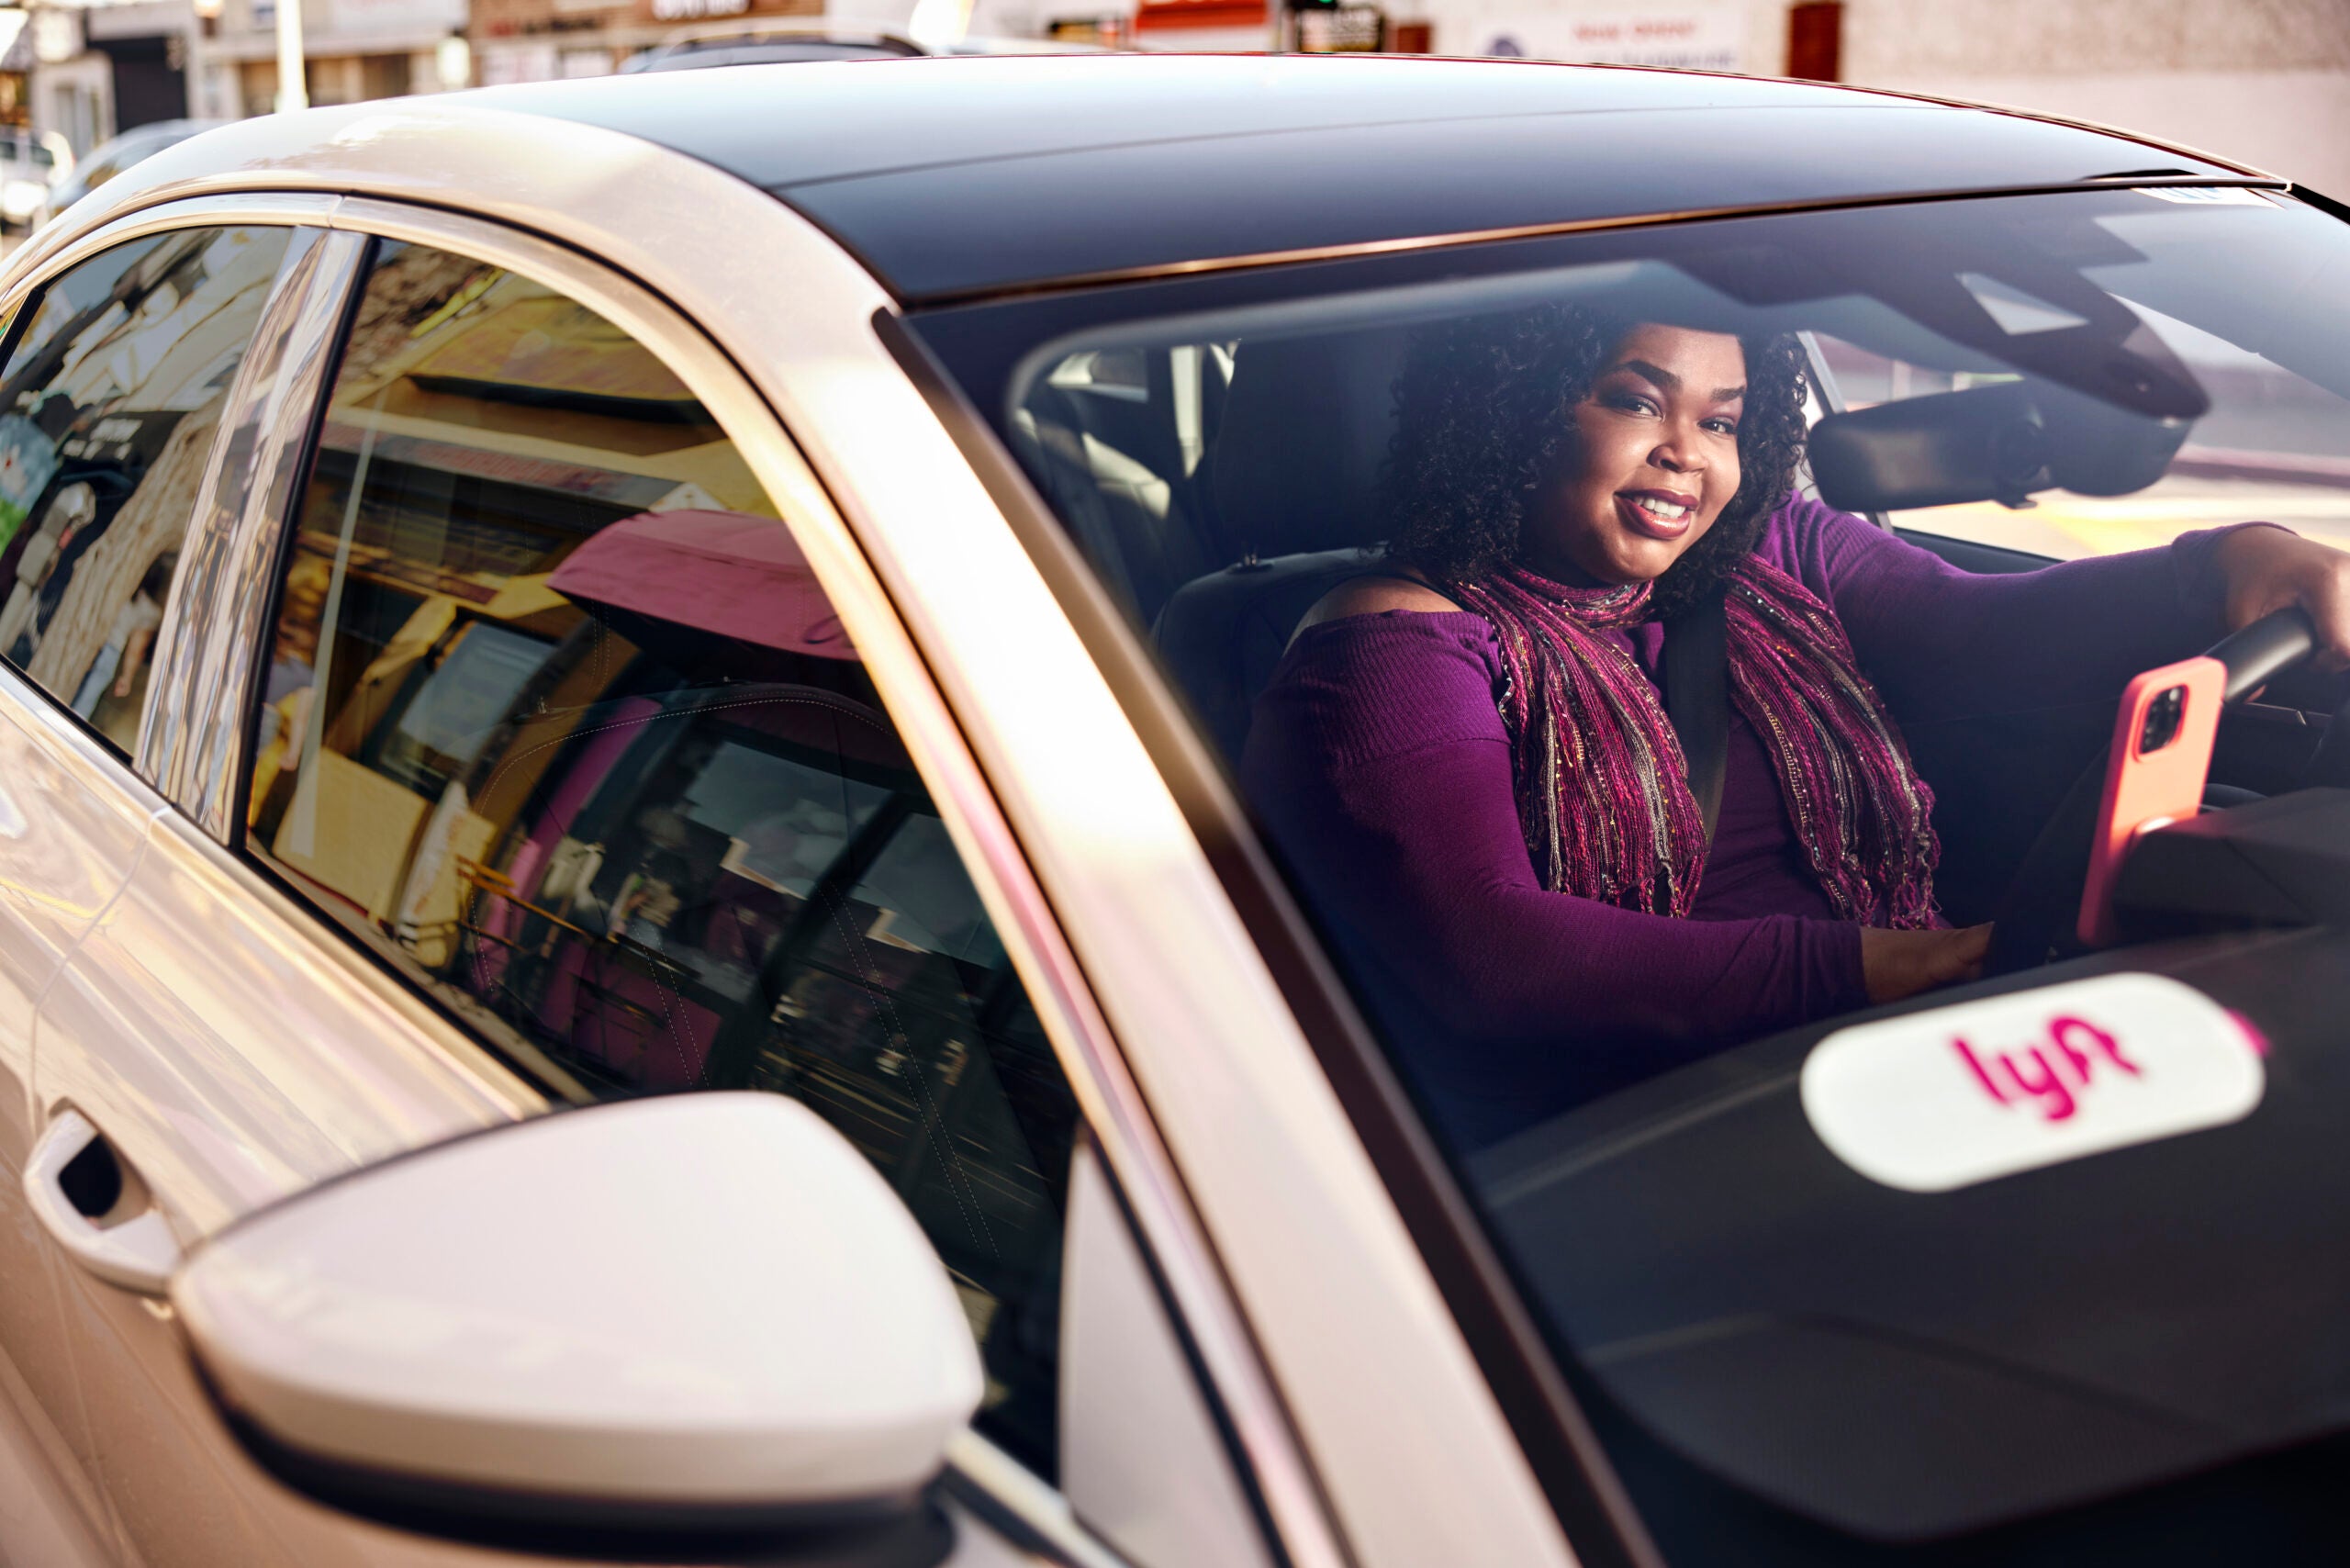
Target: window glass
x=109, y=405
x=2273, y=445
x=558, y=721
x=1387, y=524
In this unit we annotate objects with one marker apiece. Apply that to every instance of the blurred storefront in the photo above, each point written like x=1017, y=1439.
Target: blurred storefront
x=356, y=49
x=2267, y=84
x=98, y=69
x=535, y=40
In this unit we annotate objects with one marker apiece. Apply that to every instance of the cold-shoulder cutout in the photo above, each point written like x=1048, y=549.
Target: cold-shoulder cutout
x=1373, y=595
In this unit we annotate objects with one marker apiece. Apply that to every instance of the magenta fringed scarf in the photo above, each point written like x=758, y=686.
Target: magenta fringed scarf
x=1602, y=790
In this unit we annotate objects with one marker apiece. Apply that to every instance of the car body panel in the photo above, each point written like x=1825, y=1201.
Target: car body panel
x=1221, y=1073
x=253, y=1061
x=49, y=1517
x=70, y=829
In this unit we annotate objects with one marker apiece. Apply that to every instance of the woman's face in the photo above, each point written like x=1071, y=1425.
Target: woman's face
x=1651, y=460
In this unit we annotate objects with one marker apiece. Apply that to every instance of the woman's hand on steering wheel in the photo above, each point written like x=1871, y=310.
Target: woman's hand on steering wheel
x=1898, y=964
x=2267, y=569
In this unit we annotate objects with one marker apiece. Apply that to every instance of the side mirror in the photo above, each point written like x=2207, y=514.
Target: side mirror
x=653, y=1322
x=1999, y=443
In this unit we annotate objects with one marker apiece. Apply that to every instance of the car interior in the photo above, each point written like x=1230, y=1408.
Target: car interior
x=1791, y=1363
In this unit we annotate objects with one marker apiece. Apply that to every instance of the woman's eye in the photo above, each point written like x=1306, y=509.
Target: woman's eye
x=1632, y=403
x=1722, y=427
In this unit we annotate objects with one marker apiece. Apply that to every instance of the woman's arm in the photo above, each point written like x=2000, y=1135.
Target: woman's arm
x=1941, y=643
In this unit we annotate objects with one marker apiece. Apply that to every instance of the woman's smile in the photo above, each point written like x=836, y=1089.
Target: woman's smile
x=1661, y=514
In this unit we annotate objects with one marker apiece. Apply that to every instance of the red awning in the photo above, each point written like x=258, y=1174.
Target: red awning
x=1156, y=16
x=723, y=572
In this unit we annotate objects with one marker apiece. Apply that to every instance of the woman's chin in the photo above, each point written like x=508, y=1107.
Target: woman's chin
x=1639, y=559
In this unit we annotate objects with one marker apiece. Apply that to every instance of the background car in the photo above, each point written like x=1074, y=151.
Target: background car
x=618, y=855
x=30, y=166
x=111, y=157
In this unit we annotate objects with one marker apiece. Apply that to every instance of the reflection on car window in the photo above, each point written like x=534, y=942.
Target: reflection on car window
x=107, y=411
x=1428, y=545
x=2274, y=445
x=558, y=721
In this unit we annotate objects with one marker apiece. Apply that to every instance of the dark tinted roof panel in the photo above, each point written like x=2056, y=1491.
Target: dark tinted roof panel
x=1113, y=208
x=953, y=177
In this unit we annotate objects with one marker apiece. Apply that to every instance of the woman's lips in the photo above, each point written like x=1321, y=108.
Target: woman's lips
x=1641, y=520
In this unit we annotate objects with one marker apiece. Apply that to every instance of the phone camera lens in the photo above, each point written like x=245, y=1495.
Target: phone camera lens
x=2163, y=715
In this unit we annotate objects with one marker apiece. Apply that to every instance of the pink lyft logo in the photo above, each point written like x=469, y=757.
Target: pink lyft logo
x=2051, y=1079
x=1944, y=1099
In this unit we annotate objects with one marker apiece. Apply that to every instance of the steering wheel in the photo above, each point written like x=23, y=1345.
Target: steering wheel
x=2038, y=909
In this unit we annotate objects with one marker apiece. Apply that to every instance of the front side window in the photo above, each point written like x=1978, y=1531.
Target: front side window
x=1436, y=551
x=108, y=406
x=558, y=723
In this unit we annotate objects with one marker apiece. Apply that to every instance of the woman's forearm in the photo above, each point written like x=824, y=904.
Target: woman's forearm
x=1435, y=876
x=1941, y=643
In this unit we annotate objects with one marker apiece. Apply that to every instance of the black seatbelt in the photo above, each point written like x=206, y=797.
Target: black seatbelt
x=1696, y=698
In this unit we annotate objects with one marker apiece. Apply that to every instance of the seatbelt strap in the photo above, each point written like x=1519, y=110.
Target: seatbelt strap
x=1696, y=698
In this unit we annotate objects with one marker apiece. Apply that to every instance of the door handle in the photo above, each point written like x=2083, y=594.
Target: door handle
x=96, y=1210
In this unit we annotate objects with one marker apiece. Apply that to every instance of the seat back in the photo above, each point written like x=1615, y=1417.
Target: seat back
x=1293, y=471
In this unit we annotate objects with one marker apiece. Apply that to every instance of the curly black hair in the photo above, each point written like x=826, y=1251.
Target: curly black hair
x=1482, y=407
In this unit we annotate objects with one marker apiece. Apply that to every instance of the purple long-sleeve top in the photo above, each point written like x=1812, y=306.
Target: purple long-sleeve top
x=1378, y=758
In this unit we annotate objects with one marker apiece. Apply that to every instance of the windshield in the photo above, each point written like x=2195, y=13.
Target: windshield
x=1622, y=641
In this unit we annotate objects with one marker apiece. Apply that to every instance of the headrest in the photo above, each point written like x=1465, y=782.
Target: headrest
x=1296, y=457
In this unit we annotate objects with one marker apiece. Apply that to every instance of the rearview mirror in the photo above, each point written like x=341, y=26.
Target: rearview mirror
x=703, y=1315
x=2000, y=443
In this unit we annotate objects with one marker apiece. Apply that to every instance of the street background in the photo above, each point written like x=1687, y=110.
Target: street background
x=2263, y=81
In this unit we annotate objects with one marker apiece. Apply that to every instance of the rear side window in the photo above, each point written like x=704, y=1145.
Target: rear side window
x=558, y=723
x=108, y=406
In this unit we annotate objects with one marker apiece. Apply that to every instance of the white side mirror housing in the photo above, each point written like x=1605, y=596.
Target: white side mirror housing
x=703, y=1308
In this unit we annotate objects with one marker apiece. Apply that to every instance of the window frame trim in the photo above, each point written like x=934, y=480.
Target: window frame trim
x=208, y=652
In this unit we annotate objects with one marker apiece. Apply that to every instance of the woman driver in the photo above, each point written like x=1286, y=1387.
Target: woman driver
x=1470, y=758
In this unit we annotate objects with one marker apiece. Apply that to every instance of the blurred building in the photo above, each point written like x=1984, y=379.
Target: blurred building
x=96, y=70
x=356, y=49
x=535, y=40
x=2264, y=81
x=99, y=67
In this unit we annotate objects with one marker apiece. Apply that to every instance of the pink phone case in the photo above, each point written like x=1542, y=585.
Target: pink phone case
x=2145, y=789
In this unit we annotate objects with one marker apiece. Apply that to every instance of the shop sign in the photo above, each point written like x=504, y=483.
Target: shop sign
x=1708, y=38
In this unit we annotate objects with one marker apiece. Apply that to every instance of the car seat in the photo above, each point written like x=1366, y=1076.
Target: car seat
x=1293, y=473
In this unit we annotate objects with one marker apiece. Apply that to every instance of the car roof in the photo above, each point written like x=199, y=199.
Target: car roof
x=958, y=177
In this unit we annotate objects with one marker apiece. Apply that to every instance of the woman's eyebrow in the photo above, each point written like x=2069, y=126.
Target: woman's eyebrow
x=1672, y=383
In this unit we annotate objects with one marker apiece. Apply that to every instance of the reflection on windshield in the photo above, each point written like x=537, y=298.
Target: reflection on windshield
x=1546, y=604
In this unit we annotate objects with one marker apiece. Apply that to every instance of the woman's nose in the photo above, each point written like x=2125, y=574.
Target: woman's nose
x=1676, y=454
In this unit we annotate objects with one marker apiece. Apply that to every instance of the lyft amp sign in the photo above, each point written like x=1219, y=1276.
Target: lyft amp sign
x=1944, y=1099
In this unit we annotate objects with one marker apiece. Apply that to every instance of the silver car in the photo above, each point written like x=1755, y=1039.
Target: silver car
x=726, y=605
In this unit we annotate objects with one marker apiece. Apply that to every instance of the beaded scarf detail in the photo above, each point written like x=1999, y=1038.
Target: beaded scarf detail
x=1603, y=789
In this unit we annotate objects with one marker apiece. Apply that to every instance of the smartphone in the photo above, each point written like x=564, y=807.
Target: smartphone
x=2161, y=756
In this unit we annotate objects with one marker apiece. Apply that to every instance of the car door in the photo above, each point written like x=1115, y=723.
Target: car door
x=552, y=775
x=125, y=363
